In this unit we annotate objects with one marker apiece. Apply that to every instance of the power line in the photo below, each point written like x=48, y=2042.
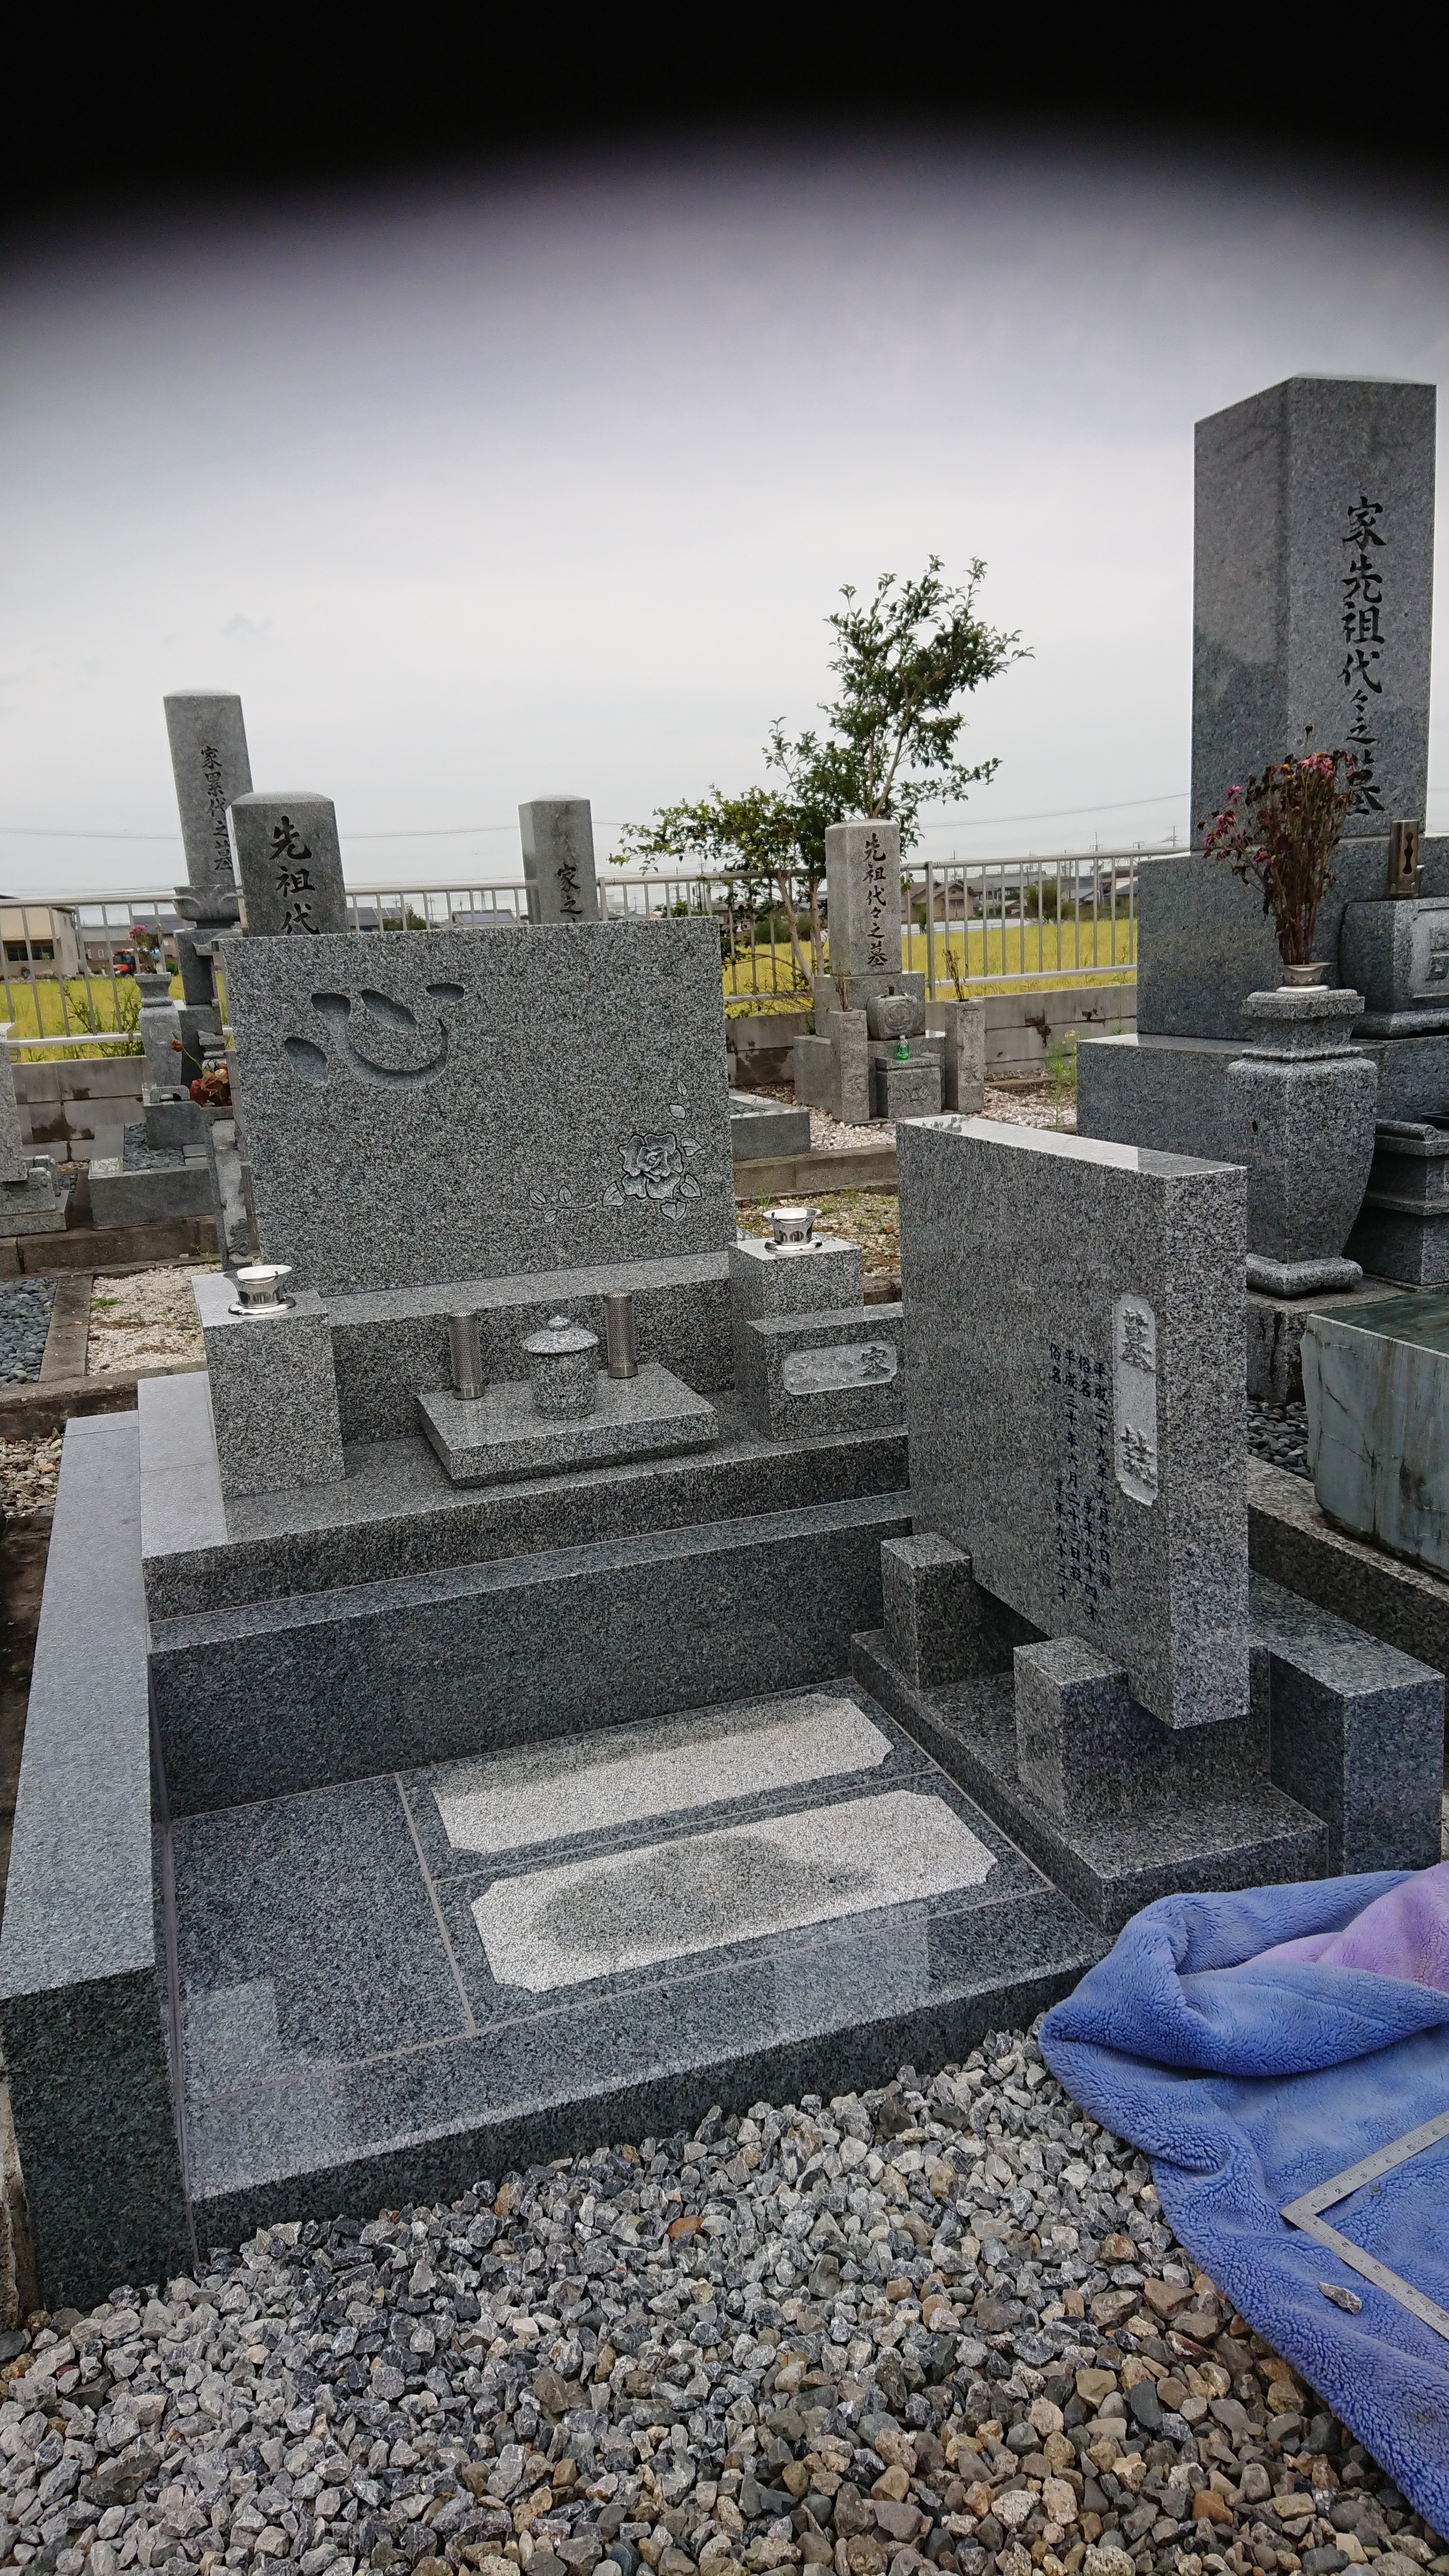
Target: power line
x=957, y=820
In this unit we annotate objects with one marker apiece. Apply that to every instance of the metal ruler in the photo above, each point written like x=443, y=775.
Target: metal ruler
x=1304, y=2213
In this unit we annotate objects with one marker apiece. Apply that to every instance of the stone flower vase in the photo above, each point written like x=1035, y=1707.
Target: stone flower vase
x=1300, y=1114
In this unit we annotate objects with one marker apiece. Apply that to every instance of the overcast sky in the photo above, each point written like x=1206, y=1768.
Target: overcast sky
x=496, y=487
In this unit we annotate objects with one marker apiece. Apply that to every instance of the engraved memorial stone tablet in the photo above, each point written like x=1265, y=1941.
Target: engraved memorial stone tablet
x=1075, y=1319
x=828, y=1372
x=289, y=862
x=437, y=1105
x=209, y=757
x=1312, y=582
x=558, y=859
x=1312, y=577
x=863, y=893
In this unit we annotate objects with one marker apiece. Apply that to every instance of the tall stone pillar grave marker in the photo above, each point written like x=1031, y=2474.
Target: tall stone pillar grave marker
x=209, y=758
x=558, y=859
x=290, y=863
x=863, y=892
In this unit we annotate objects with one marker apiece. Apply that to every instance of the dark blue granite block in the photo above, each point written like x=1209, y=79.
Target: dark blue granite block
x=397, y=1513
x=82, y=1984
x=347, y=2041
x=288, y=1694
x=1357, y=1733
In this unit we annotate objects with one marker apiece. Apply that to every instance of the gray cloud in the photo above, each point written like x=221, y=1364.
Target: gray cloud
x=481, y=491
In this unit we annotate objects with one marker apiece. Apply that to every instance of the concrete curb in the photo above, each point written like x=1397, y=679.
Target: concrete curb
x=29, y=1412
x=853, y=1167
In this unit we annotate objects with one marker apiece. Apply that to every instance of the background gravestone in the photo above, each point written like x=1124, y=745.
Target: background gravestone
x=1312, y=580
x=558, y=859
x=209, y=757
x=1075, y=1323
x=438, y=1105
x=1312, y=588
x=863, y=894
x=289, y=862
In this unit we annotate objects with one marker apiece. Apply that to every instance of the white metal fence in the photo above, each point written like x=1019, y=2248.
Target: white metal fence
x=977, y=924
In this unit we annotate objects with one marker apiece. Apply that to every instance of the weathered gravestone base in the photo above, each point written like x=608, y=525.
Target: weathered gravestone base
x=32, y=1199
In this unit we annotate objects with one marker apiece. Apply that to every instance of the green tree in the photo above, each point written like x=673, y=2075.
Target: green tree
x=906, y=660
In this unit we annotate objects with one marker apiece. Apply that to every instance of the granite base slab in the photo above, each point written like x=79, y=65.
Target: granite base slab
x=281, y=1695
x=144, y=1184
x=1170, y=1093
x=1292, y=1540
x=500, y=1436
x=759, y=1128
x=1203, y=1828
x=374, y=2008
x=38, y=1204
x=82, y=1958
x=396, y=1513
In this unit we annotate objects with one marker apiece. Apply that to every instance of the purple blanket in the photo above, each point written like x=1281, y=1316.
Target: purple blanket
x=1403, y=1934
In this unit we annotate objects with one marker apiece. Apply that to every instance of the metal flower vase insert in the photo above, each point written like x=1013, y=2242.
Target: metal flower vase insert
x=1300, y=1115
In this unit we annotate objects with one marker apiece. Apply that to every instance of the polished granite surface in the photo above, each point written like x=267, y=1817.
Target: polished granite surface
x=382, y=1980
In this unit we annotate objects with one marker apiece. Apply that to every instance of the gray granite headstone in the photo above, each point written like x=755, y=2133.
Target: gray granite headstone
x=290, y=863
x=209, y=758
x=1074, y=1334
x=14, y=1152
x=1312, y=587
x=438, y=1105
x=863, y=893
x=558, y=859
x=1313, y=566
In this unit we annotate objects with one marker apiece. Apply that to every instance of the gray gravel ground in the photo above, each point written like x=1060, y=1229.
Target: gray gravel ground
x=1279, y=1433
x=908, y=2329
x=24, y=1323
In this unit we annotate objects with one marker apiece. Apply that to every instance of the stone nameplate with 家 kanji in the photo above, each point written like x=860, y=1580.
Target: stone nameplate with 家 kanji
x=1074, y=1320
x=440, y=1105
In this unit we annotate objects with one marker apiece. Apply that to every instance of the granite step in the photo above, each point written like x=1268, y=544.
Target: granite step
x=387, y=1986
x=1225, y=1833
x=273, y=1696
x=397, y=1513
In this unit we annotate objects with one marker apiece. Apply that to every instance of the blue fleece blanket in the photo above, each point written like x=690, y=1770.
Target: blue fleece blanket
x=1249, y=2081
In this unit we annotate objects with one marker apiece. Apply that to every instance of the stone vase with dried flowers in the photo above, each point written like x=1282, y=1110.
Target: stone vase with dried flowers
x=1301, y=1100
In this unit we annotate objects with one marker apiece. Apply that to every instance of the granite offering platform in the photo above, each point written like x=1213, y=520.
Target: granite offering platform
x=500, y=1435
x=146, y=1182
